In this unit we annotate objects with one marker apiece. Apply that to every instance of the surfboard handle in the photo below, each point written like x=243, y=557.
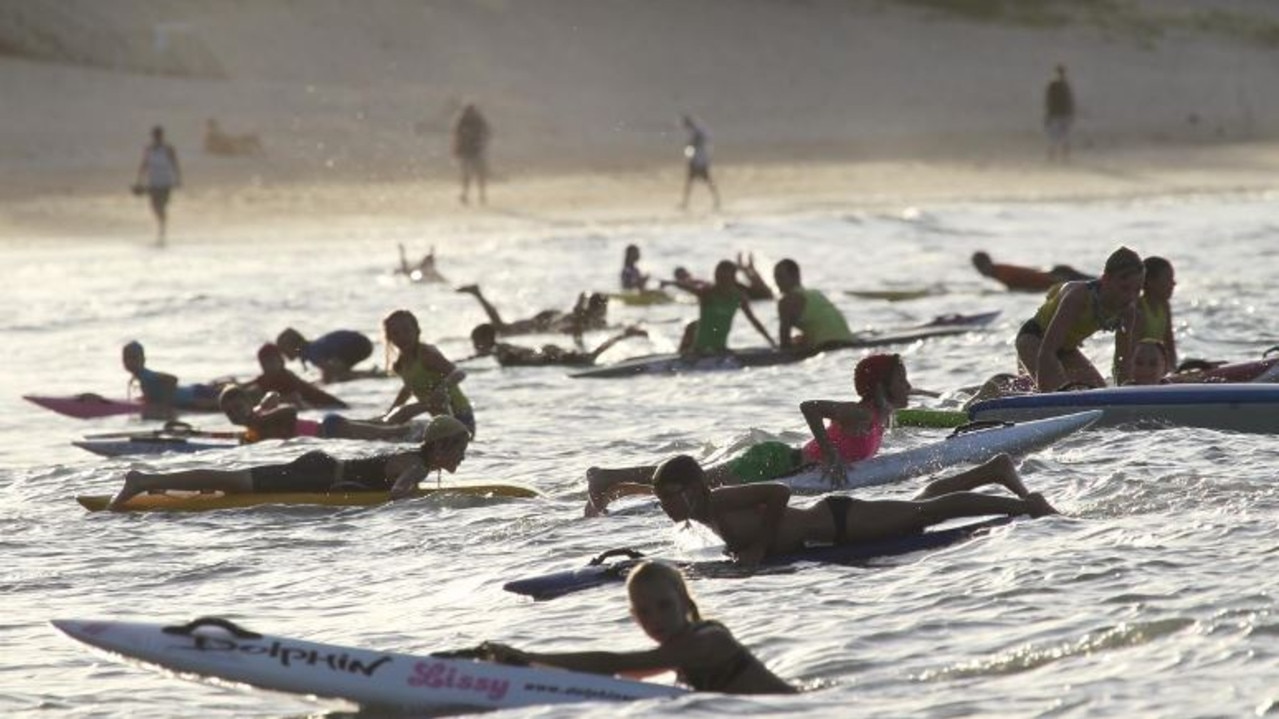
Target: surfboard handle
x=226, y=624
x=978, y=426
x=620, y=552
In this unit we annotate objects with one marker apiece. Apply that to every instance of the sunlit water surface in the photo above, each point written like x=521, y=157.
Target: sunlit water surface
x=1154, y=595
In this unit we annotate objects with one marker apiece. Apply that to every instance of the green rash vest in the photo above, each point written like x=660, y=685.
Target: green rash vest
x=821, y=322
x=422, y=382
x=714, y=322
x=1154, y=322
x=1089, y=322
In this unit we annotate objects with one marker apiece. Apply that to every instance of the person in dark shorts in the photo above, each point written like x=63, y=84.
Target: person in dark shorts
x=443, y=448
x=698, y=153
x=1059, y=115
x=471, y=135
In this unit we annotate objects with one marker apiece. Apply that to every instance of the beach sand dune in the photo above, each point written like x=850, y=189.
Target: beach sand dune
x=808, y=103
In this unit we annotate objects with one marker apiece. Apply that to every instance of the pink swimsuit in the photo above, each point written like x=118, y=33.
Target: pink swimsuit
x=307, y=428
x=850, y=447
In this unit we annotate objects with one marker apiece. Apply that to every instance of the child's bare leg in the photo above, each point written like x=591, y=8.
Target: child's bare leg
x=1000, y=470
x=191, y=480
x=893, y=518
x=494, y=318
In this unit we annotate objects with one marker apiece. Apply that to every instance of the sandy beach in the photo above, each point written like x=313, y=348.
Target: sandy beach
x=814, y=107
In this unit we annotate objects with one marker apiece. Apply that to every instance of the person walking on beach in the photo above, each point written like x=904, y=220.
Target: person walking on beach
x=471, y=135
x=1059, y=115
x=698, y=153
x=158, y=175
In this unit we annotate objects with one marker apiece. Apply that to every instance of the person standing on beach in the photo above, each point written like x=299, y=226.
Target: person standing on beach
x=698, y=152
x=471, y=134
x=1059, y=115
x=158, y=175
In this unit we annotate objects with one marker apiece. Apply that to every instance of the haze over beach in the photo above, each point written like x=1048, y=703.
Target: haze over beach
x=808, y=104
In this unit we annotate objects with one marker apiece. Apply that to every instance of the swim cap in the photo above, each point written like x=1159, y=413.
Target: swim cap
x=443, y=427
x=133, y=347
x=873, y=372
x=1123, y=261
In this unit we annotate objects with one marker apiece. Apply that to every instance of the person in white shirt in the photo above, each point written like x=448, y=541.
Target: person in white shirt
x=158, y=175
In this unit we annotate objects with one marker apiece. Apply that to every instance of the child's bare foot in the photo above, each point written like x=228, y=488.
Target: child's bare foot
x=596, y=500
x=132, y=488
x=1037, y=506
x=1003, y=470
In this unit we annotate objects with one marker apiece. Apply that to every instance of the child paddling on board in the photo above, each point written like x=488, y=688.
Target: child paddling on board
x=292, y=389
x=756, y=521
x=717, y=305
x=1025, y=279
x=843, y=433
x=590, y=312
x=443, y=448
x=484, y=339
x=1048, y=343
x=161, y=393
x=703, y=653
x=429, y=377
x=274, y=419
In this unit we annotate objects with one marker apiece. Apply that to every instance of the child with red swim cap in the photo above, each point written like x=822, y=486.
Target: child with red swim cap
x=843, y=432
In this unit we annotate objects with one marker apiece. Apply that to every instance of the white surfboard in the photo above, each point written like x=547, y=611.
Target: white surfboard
x=978, y=445
x=215, y=649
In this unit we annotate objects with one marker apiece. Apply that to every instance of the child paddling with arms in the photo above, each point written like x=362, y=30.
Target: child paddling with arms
x=703, y=653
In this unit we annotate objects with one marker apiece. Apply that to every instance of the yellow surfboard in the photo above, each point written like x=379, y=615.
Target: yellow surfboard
x=201, y=501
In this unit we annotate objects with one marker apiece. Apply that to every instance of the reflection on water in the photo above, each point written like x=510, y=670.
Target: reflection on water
x=1147, y=598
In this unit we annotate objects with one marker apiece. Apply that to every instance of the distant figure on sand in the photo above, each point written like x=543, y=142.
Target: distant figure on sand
x=589, y=313
x=471, y=135
x=158, y=175
x=1026, y=279
x=484, y=338
x=698, y=154
x=1059, y=115
x=217, y=142
x=423, y=271
x=335, y=354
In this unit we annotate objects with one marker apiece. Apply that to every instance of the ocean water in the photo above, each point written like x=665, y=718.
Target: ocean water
x=1153, y=595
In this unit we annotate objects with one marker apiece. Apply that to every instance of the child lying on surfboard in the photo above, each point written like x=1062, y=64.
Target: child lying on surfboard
x=703, y=653
x=843, y=432
x=484, y=339
x=756, y=521
x=274, y=419
x=443, y=448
